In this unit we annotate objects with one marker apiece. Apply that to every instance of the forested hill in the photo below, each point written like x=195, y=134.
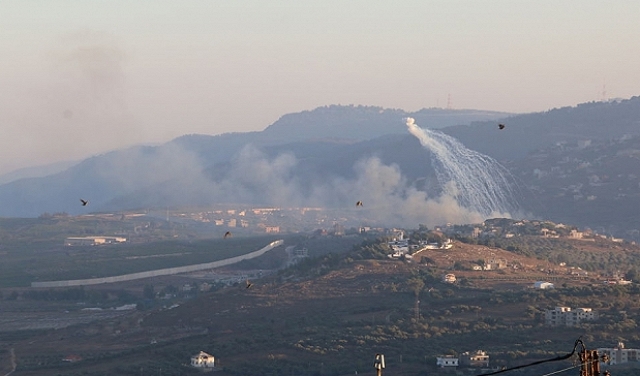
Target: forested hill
x=526, y=133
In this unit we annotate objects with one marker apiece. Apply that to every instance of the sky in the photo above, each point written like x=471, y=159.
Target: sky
x=79, y=78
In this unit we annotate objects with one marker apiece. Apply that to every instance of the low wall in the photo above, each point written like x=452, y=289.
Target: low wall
x=159, y=272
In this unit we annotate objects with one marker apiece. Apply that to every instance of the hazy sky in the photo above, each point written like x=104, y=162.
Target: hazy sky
x=83, y=77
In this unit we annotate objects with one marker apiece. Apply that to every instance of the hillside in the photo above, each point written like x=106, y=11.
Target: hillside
x=367, y=122
x=593, y=183
x=523, y=134
x=329, y=315
x=315, y=158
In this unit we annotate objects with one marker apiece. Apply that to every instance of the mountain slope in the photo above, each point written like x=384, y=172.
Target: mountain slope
x=331, y=155
x=526, y=133
x=366, y=122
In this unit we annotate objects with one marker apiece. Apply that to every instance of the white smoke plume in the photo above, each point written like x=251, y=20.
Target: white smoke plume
x=477, y=181
x=389, y=200
x=470, y=193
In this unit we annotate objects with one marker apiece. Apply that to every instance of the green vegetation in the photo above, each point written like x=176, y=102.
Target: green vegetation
x=330, y=313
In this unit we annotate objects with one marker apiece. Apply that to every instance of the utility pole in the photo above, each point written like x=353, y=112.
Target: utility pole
x=378, y=364
x=590, y=363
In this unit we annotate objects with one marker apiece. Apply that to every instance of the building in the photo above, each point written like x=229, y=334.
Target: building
x=449, y=278
x=296, y=255
x=446, y=361
x=478, y=359
x=619, y=355
x=565, y=316
x=271, y=229
x=203, y=360
x=448, y=244
x=399, y=245
x=542, y=285
x=495, y=264
x=575, y=234
x=73, y=241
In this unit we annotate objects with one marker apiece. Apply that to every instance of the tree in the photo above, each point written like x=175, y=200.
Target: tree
x=631, y=275
x=416, y=285
x=148, y=292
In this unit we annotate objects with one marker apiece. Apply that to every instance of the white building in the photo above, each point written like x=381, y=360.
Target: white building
x=565, y=316
x=542, y=285
x=619, y=355
x=446, y=361
x=401, y=246
x=449, y=278
x=447, y=244
x=477, y=358
x=203, y=360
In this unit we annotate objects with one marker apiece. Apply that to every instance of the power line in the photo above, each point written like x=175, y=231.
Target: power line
x=562, y=370
x=558, y=358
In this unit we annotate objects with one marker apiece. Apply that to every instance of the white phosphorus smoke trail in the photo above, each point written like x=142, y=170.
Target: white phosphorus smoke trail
x=478, y=182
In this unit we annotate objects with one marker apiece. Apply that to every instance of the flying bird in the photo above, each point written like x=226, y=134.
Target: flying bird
x=227, y=235
x=249, y=284
x=84, y=202
x=501, y=126
x=359, y=203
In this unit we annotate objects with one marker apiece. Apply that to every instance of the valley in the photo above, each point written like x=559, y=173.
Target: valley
x=329, y=313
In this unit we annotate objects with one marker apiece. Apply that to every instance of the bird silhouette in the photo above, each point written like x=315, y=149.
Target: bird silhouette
x=227, y=235
x=249, y=284
x=359, y=203
x=501, y=126
x=84, y=202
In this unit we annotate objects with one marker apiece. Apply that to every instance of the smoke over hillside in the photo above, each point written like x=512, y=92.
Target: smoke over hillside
x=252, y=177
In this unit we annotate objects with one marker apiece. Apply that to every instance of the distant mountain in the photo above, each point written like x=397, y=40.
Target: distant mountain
x=137, y=176
x=336, y=155
x=36, y=171
x=366, y=122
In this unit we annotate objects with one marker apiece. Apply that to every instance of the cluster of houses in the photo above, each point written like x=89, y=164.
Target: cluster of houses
x=480, y=359
x=401, y=248
x=508, y=228
x=476, y=359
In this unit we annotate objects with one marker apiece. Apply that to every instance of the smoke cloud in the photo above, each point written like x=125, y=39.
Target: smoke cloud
x=252, y=177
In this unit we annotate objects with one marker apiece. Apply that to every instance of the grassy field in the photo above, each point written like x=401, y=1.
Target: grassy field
x=20, y=267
